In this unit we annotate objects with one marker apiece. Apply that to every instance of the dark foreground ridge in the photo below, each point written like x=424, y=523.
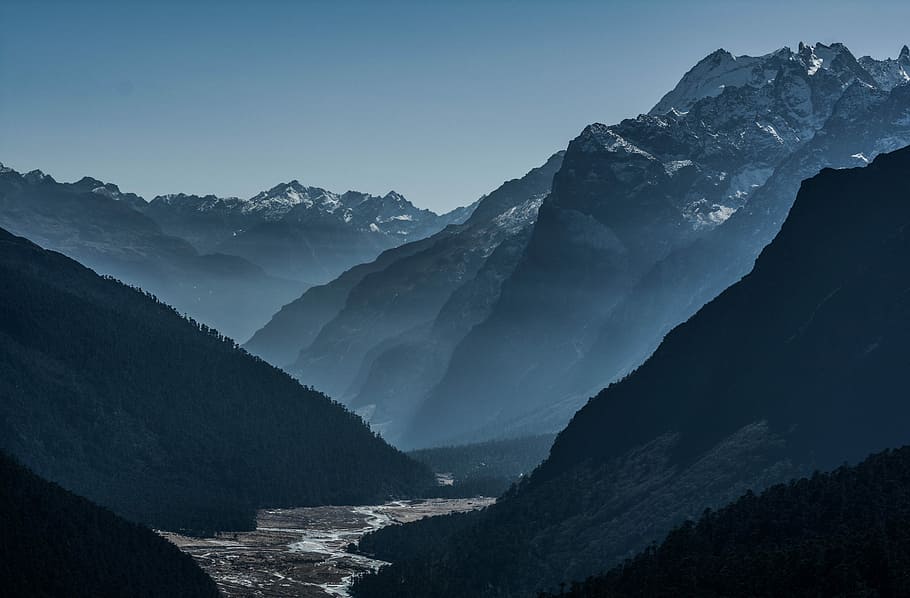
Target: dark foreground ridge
x=113, y=395
x=845, y=533
x=54, y=543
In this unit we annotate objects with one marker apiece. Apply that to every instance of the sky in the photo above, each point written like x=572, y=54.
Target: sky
x=440, y=101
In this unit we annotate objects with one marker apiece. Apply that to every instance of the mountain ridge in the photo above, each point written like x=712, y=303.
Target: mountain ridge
x=795, y=367
x=647, y=220
x=113, y=395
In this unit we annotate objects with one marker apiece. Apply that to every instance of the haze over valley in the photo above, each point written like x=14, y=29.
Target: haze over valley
x=633, y=326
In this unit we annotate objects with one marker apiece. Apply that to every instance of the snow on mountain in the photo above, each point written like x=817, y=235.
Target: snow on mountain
x=280, y=199
x=721, y=70
x=390, y=214
x=651, y=216
x=710, y=77
x=890, y=72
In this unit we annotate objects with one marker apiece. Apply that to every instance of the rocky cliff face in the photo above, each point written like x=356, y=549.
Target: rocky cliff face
x=652, y=217
x=796, y=367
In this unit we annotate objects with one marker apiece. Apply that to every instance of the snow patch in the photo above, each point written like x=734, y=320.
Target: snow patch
x=674, y=166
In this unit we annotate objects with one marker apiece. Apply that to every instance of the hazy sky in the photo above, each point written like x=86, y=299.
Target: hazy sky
x=439, y=101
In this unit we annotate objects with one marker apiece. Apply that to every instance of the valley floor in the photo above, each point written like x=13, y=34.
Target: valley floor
x=301, y=552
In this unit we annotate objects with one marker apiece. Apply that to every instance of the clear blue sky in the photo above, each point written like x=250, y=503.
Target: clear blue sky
x=439, y=101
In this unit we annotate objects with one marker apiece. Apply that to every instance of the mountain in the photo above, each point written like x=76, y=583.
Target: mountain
x=54, y=543
x=113, y=395
x=797, y=366
x=890, y=72
x=228, y=262
x=485, y=468
x=106, y=229
x=865, y=122
x=651, y=218
x=298, y=232
x=837, y=534
x=380, y=335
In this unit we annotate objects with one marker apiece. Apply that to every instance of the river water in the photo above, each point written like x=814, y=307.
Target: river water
x=302, y=552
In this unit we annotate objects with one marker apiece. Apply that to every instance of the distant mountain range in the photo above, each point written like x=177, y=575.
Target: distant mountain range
x=297, y=232
x=646, y=221
x=228, y=262
x=800, y=365
x=114, y=396
x=381, y=334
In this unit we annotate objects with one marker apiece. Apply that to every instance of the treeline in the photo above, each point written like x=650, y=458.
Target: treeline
x=485, y=468
x=54, y=543
x=112, y=394
x=845, y=533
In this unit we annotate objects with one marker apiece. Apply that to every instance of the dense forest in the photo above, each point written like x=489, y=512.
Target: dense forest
x=845, y=533
x=485, y=468
x=113, y=395
x=54, y=543
x=799, y=366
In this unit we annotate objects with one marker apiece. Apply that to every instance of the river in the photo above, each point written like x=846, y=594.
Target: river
x=301, y=552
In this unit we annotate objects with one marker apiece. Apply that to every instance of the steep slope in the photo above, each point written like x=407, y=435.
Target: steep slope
x=384, y=330
x=890, y=72
x=296, y=325
x=865, y=122
x=649, y=219
x=104, y=228
x=54, y=543
x=111, y=394
x=391, y=340
x=837, y=534
x=797, y=366
x=299, y=232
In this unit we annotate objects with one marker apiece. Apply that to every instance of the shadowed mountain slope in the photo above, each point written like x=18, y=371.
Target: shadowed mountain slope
x=114, y=396
x=798, y=366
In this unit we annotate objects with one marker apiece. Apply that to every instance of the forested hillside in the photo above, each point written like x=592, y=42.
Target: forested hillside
x=116, y=397
x=798, y=366
x=54, y=543
x=485, y=468
x=845, y=533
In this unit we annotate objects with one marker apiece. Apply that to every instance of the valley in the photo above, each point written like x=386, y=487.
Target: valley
x=302, y=552
x=641, y=334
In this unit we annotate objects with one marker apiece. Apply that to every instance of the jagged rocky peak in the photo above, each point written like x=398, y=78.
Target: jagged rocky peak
x=599, y=137
x=198, y=203
x=721, y=70
x=836, y=59
x=36, y=176
x=280, y=199
x=726, y=125
x=890, y=72
x=709, y=77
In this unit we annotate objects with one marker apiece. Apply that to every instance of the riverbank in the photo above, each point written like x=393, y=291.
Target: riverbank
x=302, y=552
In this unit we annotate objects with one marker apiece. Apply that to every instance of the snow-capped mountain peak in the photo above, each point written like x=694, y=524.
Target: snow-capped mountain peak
x=835, y=58
x=890, y=72
x=709, y=77
x=36, y=176
x=721, y=70
x=599, y=137
x=280, y=199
